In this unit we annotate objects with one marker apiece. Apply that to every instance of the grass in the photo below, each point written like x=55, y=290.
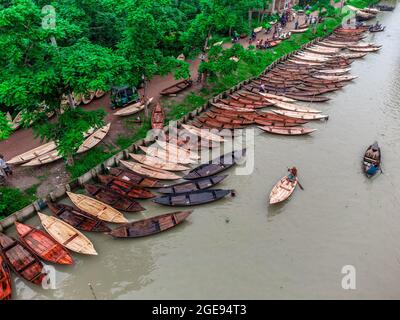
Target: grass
x=97, y=155
x=14, y=199
x=179, y=110
x=361, y=3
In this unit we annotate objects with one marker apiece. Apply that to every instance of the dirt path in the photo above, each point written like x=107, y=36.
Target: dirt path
x=53, y=174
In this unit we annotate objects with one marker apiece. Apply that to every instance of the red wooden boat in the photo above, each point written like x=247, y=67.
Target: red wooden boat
x=21, y=260
x=124, y=187
x=177, y=87
x=115, y=200
x=151, y=225
x=5, y=280
x=77, y=218
x=44, y=246
x=135, y=178
x=158, y=117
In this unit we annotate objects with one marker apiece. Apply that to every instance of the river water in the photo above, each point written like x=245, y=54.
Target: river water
x=243, y=248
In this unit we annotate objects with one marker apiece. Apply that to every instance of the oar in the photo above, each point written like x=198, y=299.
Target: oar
x=298, y=182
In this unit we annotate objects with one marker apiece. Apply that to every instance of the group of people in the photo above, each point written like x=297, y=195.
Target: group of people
x=263, y=44
x=5, y=170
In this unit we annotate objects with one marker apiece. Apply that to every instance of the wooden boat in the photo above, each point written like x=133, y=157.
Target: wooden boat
x=192, y=198
x=203, y=134
x=168, y=156
x=31, y=154
x=67, y=235
x=16, y=123
x=96, y=208
x=88, y=98
x=282, y=190
x=133, y=108
x=157, y=117
x=43, y=159
x=157, y=163
x=274, y=123
x=77, y=218
x=117, y=201
x=177, y=87
x=354, y=55
x=149, y=171
x=125, y=188
x=225, y=107
x=363, y=49
x=224, y=119
x=307, y=98
x=301, y=115
x=44, y=246
x=335, y=78
x=99, y=93
x=292, y=131
x=276, y=97
x=137, y=179
x=94, y=139
x=151, y=225
x=216, y=166
x=293, y=107
x=5, y=280
x=212, y=123
x=372, y=157
x=77, y=97
x=20, y=259
x=9, y=118
x=169, y=147
x=193, y=185
x=299, y=30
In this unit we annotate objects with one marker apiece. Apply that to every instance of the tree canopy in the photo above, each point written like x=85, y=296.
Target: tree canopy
x=50, y=50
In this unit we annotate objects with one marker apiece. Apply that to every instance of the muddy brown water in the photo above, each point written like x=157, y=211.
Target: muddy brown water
x=242, y=248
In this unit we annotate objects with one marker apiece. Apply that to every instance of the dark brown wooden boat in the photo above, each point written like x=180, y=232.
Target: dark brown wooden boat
x=157, y=117
x=44, y=246
x=193, y=185
x=77, y=218
x=192, y=198
x=151, y=225
x=224, y=120
x=250, y=100
x=5, y=280
x=177, y=87
x=216, y=166
x=229, y=118
x=115, y=200
x=136, y=178
x=21, y=260
x=124, y=187
x=212, y=123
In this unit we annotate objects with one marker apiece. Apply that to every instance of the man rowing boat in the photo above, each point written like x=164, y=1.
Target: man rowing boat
x=292, y=176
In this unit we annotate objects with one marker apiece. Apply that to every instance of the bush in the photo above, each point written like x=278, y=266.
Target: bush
x=13, y=199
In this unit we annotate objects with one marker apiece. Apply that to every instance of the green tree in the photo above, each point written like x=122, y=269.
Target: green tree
x=43, y=64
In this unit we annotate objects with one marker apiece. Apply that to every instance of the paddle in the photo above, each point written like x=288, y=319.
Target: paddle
x=298, y=182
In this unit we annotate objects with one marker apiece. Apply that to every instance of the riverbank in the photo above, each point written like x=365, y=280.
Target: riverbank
x=124, y=132
x=241, y=248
